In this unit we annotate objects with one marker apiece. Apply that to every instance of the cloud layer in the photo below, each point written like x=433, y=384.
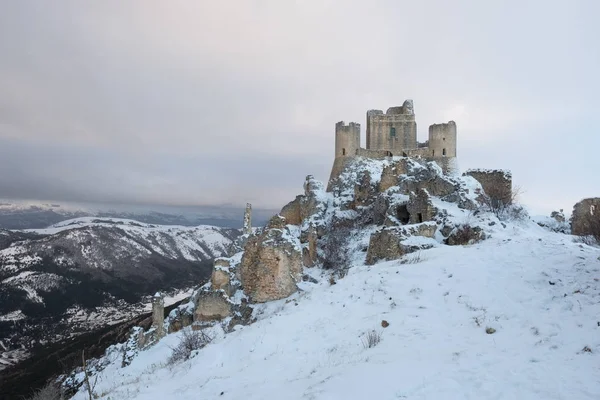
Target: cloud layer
x=226, y=102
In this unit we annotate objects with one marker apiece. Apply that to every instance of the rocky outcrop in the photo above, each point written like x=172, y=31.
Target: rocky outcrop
x=391, y=173
x=364, y=192
x=271, y=265
x=220, y=279
x=387, y=244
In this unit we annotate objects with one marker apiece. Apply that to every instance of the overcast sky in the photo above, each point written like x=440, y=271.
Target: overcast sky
x=213, y=102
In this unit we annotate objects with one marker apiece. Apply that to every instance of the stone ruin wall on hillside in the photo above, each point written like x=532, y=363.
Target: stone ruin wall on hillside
x=585, y=219
x=496, y=183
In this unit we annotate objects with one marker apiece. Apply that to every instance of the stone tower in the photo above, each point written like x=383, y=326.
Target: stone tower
x=158, y=314
x=442, y=140
x=347, y=139
x=396, y=130
x=248, y=220
x=442, y=146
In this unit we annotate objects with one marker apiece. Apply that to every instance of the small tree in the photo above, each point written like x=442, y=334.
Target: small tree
x=89, y=385
x=190, y=341
x=498, y=201
x=335, y=249
x=49, y=392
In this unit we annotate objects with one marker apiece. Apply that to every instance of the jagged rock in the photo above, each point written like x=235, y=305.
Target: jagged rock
x=364, y=192
x=271, y=265
x=420, y=208
x=312, y=205
x=391, y=173
x=380, y=209
x=242, y=315
x=220, y=281
x=387, y=243
x=276, y=222
x=212, y=306
x=309, y=253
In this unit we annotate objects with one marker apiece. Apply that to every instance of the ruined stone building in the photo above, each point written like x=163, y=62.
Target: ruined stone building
x=394, y=133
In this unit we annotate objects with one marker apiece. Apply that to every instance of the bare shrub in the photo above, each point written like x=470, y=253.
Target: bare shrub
x=413, y=258
x=593, y=230
x=49, y=392
x=190, y=341
x=590, y=240
x=88, y=384
x=335, y=249
x=371, y=339
x=499, y=202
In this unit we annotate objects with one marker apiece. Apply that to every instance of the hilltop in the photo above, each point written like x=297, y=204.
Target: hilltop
x=468, y=296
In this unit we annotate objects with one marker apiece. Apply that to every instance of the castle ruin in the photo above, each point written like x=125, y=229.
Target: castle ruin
x=394, y=133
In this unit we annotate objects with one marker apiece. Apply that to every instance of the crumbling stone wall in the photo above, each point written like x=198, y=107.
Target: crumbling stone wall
x=292, y=212
x=496, y=183
x=386, y=244
x=585, y=219
x=420, y=208
x=212, y=306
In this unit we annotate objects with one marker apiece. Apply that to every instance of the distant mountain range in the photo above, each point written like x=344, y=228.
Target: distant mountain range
x=37, y=215
x=85, y=273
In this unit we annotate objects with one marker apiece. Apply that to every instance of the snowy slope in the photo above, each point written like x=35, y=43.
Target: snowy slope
x=539, y=290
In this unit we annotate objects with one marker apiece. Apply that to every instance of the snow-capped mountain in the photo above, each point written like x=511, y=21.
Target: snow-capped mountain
x=85, y=273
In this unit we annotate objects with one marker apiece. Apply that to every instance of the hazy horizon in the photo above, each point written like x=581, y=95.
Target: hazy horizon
x=224, y=103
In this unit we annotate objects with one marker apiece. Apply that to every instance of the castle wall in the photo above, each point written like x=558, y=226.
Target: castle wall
x=420, y=152
x=369, y=153
x=347, y=138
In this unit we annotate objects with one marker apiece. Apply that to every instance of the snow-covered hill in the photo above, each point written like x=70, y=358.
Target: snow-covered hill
x=85, y=273
x=539, y=291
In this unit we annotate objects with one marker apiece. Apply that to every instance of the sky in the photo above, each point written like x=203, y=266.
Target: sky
x=228, y=102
